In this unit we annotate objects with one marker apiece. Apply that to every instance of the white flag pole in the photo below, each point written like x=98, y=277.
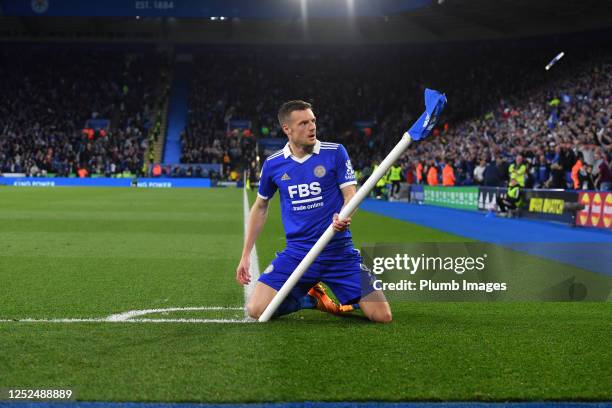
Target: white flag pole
x=327, y=236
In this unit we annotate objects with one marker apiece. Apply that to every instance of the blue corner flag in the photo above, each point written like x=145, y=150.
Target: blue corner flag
x=434, y=104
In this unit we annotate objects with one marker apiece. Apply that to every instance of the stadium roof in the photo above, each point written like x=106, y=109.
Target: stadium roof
x=209, y=8
x=391, y=21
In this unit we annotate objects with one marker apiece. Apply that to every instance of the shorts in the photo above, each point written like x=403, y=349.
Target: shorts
x=346, y=276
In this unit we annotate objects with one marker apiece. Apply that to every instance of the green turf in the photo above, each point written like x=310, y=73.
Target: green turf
x=92, y=252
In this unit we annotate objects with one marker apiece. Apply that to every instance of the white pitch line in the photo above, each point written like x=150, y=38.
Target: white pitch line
x=104, y=320
x=254, y=268
x=135, y=313
x=131, y=317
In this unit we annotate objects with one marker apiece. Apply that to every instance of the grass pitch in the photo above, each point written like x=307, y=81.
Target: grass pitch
x=93, y=252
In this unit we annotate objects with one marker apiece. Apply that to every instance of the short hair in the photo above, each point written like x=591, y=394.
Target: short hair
x=285, y=110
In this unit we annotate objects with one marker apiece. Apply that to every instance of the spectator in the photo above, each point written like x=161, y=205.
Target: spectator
x=493, y=174
x=448, y=175
x=518, y=171
x=585, y=176
x=479, y=172
x=604, y=175
x=541, y=170
x=432, y=174
x=575, y=172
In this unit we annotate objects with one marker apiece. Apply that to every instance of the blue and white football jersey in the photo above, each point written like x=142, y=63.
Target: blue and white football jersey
x=310, y=193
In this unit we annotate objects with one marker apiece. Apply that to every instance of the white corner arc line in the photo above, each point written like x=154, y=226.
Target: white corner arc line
x=254, y=267
x=132, y=316
x=121, y=317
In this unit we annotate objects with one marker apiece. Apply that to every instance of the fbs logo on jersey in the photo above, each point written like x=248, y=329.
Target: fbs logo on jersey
x=285, y=177
x=305, y=190
x=305, y=196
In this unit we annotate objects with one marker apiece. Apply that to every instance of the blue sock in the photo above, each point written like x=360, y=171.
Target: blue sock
x=289, y=305
x=308, y=302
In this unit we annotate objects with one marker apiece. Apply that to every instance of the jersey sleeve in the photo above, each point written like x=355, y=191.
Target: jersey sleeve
x=267, y=187
x=344, y=169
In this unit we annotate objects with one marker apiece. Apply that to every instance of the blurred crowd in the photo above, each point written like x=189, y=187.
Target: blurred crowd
x=502, y=104
x=560, y=131
x=503, y=108
x=49, y=98
x=375, y=84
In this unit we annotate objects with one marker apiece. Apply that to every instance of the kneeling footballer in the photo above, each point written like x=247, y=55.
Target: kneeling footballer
x=315, y=180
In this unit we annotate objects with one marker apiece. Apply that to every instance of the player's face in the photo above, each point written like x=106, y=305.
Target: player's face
x=302, y=128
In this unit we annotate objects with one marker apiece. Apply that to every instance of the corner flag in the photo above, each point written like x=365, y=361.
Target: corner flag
x=434, y=103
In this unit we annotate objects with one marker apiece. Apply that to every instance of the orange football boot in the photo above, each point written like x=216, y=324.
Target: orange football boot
x=325, y=303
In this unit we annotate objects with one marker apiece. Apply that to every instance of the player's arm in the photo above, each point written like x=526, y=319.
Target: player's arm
x=346, y=181
x=347, y=193
x=257, y=219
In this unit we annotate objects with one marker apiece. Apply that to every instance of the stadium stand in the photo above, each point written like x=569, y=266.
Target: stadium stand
x=550, y=118
x=550, y=125
x=51, y=93
x=547, y=117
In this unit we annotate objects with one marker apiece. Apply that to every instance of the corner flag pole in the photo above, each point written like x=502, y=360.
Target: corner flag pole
x=434, y=103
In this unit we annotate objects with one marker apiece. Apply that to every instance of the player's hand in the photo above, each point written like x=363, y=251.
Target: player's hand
x=243, y=276
x=341, y=225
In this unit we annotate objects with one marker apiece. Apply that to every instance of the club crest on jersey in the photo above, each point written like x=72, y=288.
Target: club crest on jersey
x=319, y=171
x=285, y=177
